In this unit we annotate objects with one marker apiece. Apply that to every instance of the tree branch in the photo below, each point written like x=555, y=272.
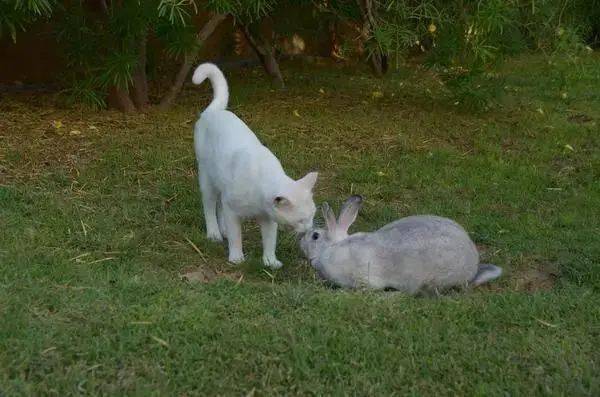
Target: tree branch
x=266, y=55
x=119, y=99
x=189, y=59
x=379, y=60
x=139, y=93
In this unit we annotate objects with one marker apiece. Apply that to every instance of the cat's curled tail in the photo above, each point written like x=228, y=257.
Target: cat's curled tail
x=218, y=82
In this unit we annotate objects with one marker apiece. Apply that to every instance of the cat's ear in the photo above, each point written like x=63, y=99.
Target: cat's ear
x=281, y=202
x=309, y=180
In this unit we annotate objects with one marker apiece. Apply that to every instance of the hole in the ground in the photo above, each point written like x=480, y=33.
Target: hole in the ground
x=538, y=278
x=526, y=274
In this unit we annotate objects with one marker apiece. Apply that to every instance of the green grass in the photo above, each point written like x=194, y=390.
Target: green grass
x=94, y=229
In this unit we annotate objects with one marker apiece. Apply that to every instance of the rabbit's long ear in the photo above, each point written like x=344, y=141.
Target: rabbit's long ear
x=349, y=212
x=329, y=217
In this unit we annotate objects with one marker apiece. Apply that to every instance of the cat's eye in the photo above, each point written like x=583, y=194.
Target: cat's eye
x=315, y=236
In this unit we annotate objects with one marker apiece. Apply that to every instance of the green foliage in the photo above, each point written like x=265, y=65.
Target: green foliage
x=177, y=12
x=545, y=22
x=465, y=39
x=103, y=46
x=403, y=24
x=253, y=10
x=86, y=91
x=457, y=37
x=16, y=15
x=178, y=40
x=475, y=91
x=249, y=11
x=117, y=70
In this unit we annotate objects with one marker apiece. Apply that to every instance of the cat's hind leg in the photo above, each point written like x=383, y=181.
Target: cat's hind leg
x=233, y=225
x=220, y=219
x=210, y=196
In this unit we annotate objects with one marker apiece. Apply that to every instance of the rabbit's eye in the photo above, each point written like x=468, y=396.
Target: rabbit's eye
x=315, y=236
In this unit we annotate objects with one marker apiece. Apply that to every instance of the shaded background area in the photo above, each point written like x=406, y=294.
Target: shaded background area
x=36, y=58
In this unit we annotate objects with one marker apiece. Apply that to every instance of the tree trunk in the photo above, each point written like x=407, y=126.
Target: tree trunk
x=139, y=92
x=188, y=61
x=379, y=60
x=379, y=63
x=266, y=55
x=334, y=44
x=272, y=67
x=119, y=99
x=103, y=6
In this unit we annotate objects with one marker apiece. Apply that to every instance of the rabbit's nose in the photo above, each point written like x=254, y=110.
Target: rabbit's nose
x=302, y=228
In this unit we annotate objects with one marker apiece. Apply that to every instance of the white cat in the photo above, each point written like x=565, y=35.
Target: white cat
x=240, y=178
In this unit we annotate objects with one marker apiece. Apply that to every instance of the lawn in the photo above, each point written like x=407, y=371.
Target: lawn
x=100, y=217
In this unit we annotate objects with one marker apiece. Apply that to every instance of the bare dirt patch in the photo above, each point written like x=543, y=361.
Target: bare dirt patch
x=537, y=278
x=205, y=275
x=525, y=275
x=540, y=278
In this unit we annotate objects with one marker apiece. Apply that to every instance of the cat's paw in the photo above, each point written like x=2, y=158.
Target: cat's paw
x=272, y=262
x=236, y=258
x=215, y=236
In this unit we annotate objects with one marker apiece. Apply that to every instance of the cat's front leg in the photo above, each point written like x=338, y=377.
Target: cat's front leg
x=268, y=230
x=233, y=225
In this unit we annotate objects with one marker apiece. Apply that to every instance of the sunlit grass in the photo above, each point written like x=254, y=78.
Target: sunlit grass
x=97, y=212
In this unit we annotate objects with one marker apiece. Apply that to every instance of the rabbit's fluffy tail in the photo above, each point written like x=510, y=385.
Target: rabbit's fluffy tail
x=485, y=273
x=218, y=82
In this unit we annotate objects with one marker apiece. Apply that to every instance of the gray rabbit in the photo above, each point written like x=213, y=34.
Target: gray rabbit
x=412, y=254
